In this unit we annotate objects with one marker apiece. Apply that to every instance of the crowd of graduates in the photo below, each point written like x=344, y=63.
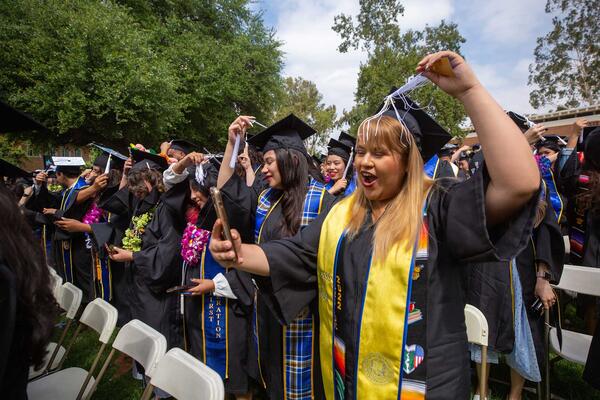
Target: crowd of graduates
x=347, y=274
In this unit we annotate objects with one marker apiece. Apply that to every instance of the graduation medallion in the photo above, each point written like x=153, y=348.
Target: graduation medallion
x=378, y=369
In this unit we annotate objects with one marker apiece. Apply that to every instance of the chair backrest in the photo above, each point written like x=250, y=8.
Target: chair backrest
x=101, y=317
x=580, y=279
x=567, y=241
x=142, y=343
x=477, y=326
x=70, y=299
x=186, y=378
x=56, y=282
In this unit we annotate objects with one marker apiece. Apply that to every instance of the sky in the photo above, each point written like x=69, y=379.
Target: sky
x=500, y=39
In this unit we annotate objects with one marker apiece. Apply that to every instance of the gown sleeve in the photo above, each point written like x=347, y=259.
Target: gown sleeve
x=549, y=245
x=117, y=203
x=293, y=269
x=240, y=203
x=461, y=209
x=158, y=259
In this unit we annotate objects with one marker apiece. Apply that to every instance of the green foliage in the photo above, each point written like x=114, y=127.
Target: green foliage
x=566, y=70
x=137, y=71
x=9, y=151
x=393, y=56
x=302, y=98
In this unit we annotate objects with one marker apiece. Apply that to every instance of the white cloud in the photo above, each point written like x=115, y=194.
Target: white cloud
x=310, y=45
x=501, y=34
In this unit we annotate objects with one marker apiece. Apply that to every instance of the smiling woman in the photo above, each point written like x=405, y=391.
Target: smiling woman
x=388, y=258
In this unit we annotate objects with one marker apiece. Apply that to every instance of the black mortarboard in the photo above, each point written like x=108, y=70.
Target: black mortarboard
x=592, y=150
x=428, y=134
x=287, y=133
x=216, y=160
x=12, y=171
x=549, y=142
x=521, y=121
x=117, y=160
x=340, y=149
x=184, y=145
x=348, y=140
x=13, y=120
x=447, y=150
x=144, y=159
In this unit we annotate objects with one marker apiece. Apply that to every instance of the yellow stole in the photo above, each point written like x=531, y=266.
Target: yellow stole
x=384, y=311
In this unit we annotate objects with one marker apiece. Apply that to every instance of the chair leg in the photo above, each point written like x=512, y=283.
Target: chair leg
x=546, y=383
x=62, y=360
x=58, y=344
x=101, y=373
x=147, y=392
x=91, y=372
x=483, y=378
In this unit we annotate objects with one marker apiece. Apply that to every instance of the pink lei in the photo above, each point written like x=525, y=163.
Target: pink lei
x=93, y=215
x=194, y=240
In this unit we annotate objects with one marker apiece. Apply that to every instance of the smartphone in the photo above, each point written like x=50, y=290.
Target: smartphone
x=222, y=215
x=180, y=288
x=111, y=249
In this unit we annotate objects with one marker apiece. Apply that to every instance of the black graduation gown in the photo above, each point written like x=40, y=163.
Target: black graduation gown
x=120, y=205
x=269, y=369
x=458, y=235
x=81, y=265
x=157, y=267
x=490, y=287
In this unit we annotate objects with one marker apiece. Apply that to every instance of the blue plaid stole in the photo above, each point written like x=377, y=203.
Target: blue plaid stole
x=298, y=337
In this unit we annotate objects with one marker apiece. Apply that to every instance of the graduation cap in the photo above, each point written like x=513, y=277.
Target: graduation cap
x=144, y=159
x=447, y=150
x=12, y=171
x=183, y=145
x=429, y=135
x=117, y=160
x=287, y=133
x=550, y=142
x=522, y=122
x=348, y=140
x=69, y=165
x=339, y=148
x=317, y=159
x=13, y=120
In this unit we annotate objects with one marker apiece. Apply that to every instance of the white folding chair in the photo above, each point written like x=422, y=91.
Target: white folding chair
x=478, y=333
x=70, y=301
x=140, y=342
x=56, y=282
x=73, y=383
x=186, y=378
x=585, y=280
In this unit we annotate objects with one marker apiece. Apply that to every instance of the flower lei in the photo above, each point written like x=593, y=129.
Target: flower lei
x=133, y=236
x=194, y=239
x=92, y=216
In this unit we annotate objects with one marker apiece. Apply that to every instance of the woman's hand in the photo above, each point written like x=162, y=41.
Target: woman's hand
x=222, y=249
x=100, y=182
x=239, y=127
x=535, y=133
x=72, y=225
x=127, y=166
x=203, y=286
x=120, y=255
x=544, y=291
x=339, y=186
x=463, y=81
x=41, y=178
x=47, y=211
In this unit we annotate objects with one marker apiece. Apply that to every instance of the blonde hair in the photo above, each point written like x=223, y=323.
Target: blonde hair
x=403, y=216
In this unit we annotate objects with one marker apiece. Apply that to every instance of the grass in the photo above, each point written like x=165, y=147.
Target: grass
x=118, y=383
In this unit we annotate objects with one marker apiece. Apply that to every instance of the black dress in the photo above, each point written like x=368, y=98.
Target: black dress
x=458, y=235
x=490, y=286
x=268, y=371
x=157, y=267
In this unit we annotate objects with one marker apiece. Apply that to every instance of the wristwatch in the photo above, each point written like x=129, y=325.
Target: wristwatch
x=544, y=275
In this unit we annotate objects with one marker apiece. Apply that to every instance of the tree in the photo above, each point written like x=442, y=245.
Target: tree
x=9, y=152
x=129, y=71
x=566, y=70
x=302, y=98
x=393, y=56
